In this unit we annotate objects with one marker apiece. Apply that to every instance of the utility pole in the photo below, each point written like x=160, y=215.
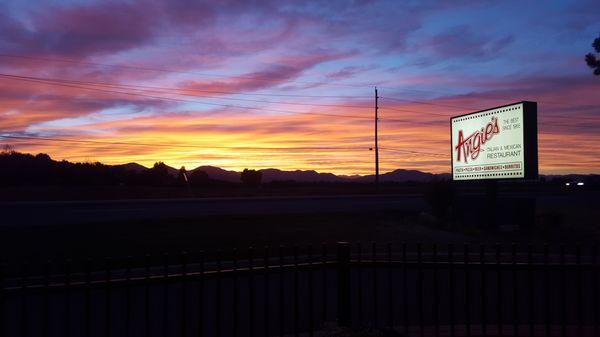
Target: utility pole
x=376, y=142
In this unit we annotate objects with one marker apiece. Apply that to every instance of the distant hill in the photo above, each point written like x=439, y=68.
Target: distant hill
x=311, y=176
x=270, y=175
x=303, y=176
x=135, y=167
x=399, y=175
x=172, y=171
x=23, y=169
x=218, y=173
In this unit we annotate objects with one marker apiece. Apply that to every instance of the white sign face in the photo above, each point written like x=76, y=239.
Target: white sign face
x=489, y=144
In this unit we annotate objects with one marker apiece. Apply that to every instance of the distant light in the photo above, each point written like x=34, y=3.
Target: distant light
x=579, y=184
x=568, y=184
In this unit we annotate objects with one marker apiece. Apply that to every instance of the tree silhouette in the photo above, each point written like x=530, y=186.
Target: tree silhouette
x=7, y=148
x=159, y=175
x=160, y=168
x=591, y=59
x=20, y=169
x=251, y=178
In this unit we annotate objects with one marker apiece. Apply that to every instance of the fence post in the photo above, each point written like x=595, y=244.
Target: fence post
x=2, y=319
x=344, y=316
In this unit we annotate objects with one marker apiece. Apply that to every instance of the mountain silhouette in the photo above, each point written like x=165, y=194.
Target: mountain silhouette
x=27, y=169
x=270, y=175
x=302, y=176
x=217, y=173
x=399, y=175
x=134, y=167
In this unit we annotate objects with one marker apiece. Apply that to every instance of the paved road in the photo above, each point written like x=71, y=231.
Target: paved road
x=81, y=212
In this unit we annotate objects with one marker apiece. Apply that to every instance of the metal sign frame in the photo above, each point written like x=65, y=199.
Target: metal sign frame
x=530, y=142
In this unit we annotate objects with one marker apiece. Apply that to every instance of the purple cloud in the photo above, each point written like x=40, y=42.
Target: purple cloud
x=279, y=72
x=462, y=42
x=82, y=30
x=347, y=72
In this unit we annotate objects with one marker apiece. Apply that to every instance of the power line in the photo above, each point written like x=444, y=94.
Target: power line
x=415, y=111
x=26, y=79
x=449, y=116
x=89, y=150
x=423, y=102
x=416, y=90
x=162, y=89
x=539, y=117
x=86, y=85
x=412, y=152
x=168, y=90
x=223, y=92
x=311, y=148
x=33, y=58
x=51, y=82
x=545, y=122
x=477, y=109
x=55, y=82
x=204, y=147
x=454, y=94
x=257, y=78
x=65, y=83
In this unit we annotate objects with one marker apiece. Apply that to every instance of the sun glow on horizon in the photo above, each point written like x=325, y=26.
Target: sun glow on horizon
x=287, y=87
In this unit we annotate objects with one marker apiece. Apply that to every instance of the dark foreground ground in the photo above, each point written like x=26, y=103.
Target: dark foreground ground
x=158, y=296
x=43, y=230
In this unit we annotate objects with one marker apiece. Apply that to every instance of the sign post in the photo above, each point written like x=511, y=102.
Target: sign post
x=495, y=144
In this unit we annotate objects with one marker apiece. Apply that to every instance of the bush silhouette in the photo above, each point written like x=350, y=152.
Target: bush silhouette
x=251, y=178
x=20, y=169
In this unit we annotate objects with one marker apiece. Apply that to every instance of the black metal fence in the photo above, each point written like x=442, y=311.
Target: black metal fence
x=414, y=290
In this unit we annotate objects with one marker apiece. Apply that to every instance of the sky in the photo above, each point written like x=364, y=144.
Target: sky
x=290, y=84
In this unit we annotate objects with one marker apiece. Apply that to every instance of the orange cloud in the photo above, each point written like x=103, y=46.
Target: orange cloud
x=283, y=133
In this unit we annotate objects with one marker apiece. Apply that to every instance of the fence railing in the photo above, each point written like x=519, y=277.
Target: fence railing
x=411, y=290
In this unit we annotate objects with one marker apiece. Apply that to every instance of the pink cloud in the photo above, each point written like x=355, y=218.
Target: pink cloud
x=279, y=71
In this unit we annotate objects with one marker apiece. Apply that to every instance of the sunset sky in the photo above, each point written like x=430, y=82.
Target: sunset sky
x=290, y=84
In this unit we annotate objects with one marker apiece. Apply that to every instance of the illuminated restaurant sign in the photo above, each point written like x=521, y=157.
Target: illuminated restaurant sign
x=497, y=143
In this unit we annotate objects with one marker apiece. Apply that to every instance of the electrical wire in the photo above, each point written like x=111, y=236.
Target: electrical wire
x=411, y=151
x=178, y=91
x=24, y=78
x=203, y=147
x=475, y=109
x=33, y=58
x=169, y=145
x=92, y=86
x=256, y=78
